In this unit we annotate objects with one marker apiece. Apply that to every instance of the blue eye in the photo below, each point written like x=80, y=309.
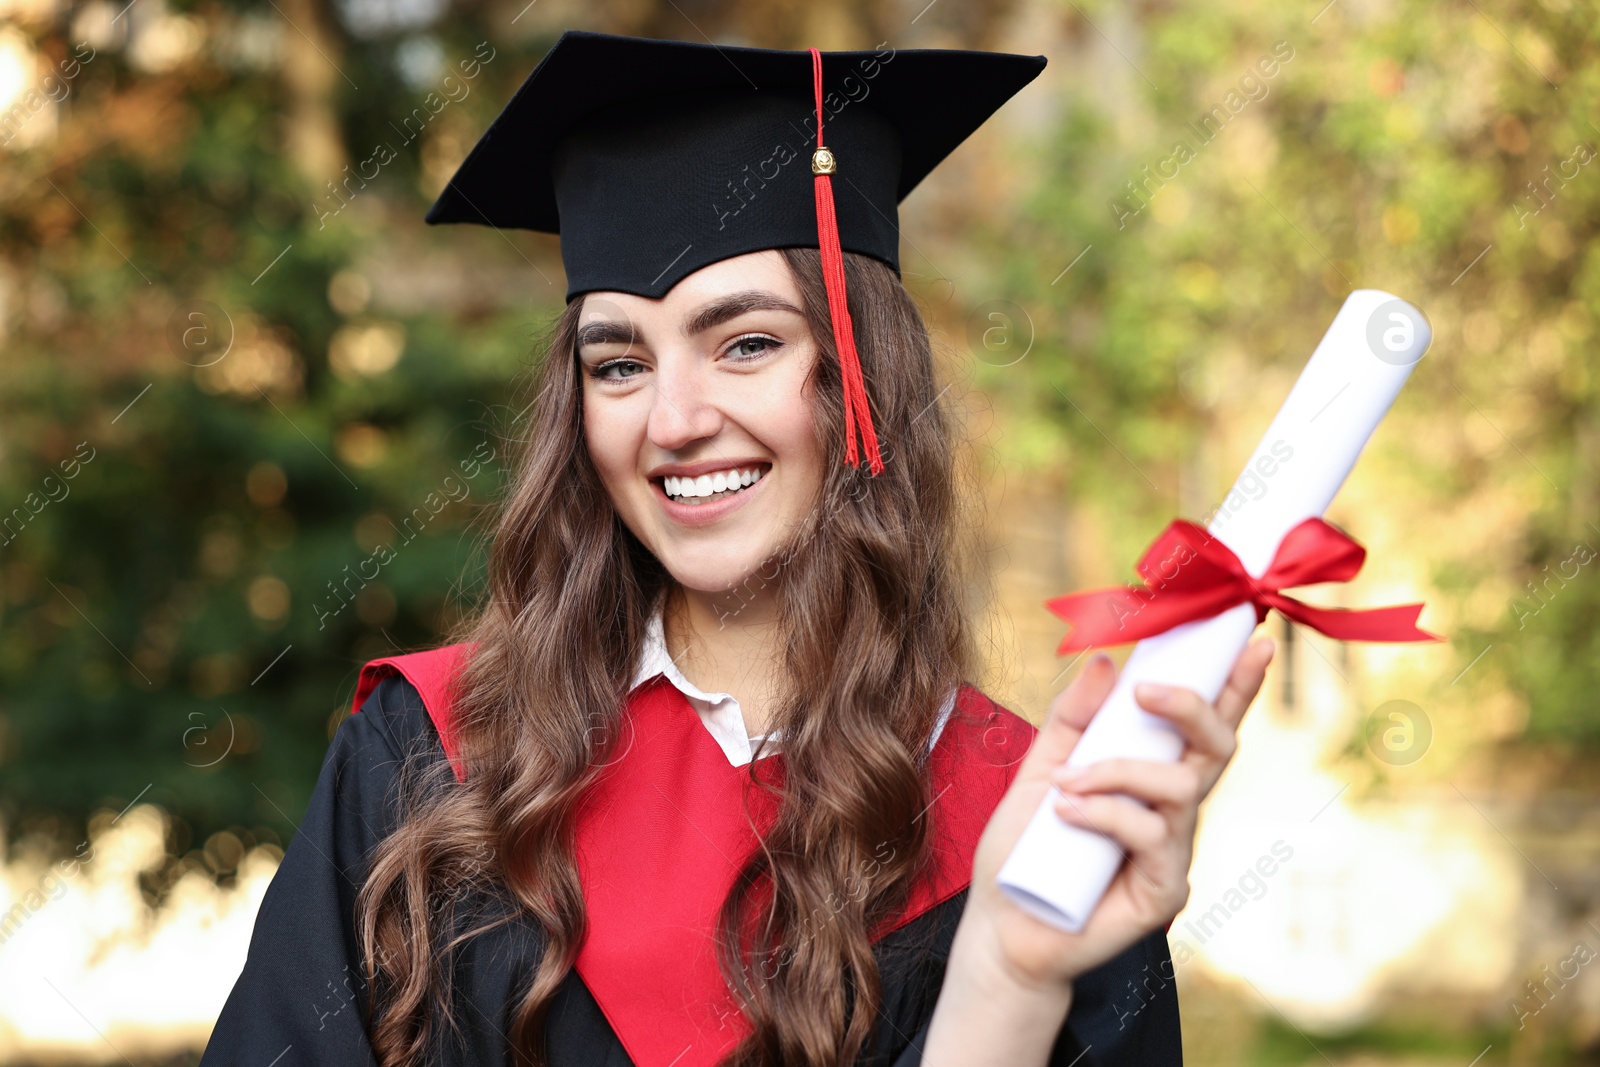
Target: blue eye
x=603, y=371
x=748, y=348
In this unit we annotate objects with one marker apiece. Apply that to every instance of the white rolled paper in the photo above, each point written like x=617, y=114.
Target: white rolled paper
x=1057, y=871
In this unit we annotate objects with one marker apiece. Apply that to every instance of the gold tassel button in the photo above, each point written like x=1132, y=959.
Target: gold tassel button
x=823, y=162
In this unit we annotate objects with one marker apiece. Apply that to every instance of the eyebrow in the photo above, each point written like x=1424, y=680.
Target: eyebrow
x=732, y=306
x=606, y=331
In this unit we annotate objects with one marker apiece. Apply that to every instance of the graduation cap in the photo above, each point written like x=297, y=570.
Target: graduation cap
x=653, y=159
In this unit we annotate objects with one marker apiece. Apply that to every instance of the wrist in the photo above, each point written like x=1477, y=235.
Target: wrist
x=975, y=954
x=987, y=1013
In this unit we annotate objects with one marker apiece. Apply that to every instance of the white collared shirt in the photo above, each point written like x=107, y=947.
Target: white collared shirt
x=720, y=712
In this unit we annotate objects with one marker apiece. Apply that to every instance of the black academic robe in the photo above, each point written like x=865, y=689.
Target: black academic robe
x=300, y=999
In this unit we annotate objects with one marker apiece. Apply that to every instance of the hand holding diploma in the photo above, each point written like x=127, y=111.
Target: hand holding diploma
x=1009, y=978
x=1207, y=589
x=1090, y=848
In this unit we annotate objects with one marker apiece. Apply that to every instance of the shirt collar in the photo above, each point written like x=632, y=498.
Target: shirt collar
x=720, y=713
x=655, y=660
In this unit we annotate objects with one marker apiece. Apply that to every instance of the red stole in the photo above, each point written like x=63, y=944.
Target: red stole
x=664, y=831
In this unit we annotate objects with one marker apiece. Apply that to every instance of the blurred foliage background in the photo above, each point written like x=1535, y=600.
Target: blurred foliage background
x=251, y=407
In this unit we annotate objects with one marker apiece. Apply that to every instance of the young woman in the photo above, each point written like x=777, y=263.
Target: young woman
x=703, y=782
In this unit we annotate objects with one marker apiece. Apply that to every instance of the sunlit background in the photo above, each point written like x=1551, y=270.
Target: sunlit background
x=236, y=365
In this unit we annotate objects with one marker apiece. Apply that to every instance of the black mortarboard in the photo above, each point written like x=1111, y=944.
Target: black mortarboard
x=653, y=159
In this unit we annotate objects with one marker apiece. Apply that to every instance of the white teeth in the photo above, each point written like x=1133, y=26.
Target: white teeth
x=699, y=490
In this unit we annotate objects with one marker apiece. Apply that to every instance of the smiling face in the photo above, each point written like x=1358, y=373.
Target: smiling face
x=697, y=416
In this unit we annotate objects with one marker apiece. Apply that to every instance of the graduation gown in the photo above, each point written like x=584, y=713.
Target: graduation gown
x=645, y=990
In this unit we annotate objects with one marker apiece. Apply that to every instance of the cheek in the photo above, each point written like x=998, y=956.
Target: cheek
x=805, y=431
x=793, y=432
x=801, y=434
x=612, y=443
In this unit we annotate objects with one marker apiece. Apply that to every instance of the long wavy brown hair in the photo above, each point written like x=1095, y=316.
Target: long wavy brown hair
x=875, y=600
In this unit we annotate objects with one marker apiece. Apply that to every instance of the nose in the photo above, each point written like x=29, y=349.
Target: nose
x=684, y=410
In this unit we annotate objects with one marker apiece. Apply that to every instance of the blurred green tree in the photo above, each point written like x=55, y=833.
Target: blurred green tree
x=220, y=312
x=251, y=410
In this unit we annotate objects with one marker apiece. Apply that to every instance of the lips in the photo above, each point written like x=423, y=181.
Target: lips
x=690, y=494
x=696, y=491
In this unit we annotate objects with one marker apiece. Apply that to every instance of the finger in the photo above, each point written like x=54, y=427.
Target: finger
x=1245, y=681
x=1206, y=736
x=1069, y=713
x=1160, y=785
x=1077, y=703
x=1127, y=822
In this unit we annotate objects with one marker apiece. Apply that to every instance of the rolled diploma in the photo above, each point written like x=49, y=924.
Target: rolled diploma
x=1057, y=871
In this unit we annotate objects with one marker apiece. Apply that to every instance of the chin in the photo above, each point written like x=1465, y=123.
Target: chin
x=712, y=572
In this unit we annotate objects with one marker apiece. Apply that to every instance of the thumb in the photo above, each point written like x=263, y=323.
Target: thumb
x=1069, y=714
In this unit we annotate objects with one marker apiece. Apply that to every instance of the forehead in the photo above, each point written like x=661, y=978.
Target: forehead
x=765, y=270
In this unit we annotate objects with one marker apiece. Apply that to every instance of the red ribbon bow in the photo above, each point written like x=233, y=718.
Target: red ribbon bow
x=1191, y=575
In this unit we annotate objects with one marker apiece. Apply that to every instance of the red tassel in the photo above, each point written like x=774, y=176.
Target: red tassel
x=856, y=409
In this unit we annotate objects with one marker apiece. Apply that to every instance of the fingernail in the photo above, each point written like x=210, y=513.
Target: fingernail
x=1067, y=774
x=1102, y=659
x=1150, y=691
